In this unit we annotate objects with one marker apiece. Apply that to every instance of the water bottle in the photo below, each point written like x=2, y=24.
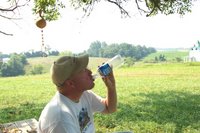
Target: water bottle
x=105, y=69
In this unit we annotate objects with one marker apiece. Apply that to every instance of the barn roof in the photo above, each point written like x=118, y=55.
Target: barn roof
x=196, y=46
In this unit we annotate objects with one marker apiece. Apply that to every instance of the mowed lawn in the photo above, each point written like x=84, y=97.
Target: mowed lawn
x=152, y=98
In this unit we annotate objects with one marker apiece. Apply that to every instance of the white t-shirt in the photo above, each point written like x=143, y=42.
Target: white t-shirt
x=61, y=115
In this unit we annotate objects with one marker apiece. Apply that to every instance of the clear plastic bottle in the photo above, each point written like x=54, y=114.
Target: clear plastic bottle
x=105, y=69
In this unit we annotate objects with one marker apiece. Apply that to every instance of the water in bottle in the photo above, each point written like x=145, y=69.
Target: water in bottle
x=105, y=69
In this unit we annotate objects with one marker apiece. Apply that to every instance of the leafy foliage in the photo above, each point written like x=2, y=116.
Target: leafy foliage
x=98, y=49
x=14, y=66
x=50, y=8
x=160, y=58
x=128, y=62
x=37, y=69
x=31, y=54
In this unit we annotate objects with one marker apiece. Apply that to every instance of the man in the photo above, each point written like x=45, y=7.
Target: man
x=71, y=109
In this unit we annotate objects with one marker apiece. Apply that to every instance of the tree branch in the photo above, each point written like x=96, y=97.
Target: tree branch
x=136, y=1
x=15, y=5
x=6, y=33
x=123, y=11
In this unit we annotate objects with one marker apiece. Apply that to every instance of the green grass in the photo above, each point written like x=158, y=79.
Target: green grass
x=156, y=98
x=152, y=98
x=169, y=55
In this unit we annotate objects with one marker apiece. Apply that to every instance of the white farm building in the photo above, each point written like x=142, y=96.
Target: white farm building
x=194, y=53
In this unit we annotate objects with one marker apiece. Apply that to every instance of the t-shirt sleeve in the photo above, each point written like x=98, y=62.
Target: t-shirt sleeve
x=96, y=102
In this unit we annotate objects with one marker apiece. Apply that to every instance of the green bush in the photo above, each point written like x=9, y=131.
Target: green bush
x=37, y=69
x=129, y=61
x=14, y=66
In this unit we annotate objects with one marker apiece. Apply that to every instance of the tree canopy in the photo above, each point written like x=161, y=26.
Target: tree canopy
x=50, y=9
x=102, y=49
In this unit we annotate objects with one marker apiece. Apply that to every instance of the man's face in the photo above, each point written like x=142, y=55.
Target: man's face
x=83, y=80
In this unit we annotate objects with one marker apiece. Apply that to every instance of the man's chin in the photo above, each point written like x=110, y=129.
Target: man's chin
x=92, y=86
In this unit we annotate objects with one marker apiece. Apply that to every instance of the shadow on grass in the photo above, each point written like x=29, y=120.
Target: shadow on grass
x=180, y=108
x=20, y=112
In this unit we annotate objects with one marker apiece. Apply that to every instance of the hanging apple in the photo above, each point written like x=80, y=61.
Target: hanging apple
x=41, y=23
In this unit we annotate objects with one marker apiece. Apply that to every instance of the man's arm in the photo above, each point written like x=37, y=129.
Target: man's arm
x=111, y=100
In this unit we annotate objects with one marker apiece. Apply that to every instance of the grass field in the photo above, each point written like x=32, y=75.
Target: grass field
x=169, y=55
x=152, y=98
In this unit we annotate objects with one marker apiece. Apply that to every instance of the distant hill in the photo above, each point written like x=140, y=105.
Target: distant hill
x=170, y=55
x=172, y=49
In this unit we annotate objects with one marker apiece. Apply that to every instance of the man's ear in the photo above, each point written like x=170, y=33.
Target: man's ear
x=69, y=83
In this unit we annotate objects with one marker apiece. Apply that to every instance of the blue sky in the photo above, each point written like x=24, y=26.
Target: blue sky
x=74, y=34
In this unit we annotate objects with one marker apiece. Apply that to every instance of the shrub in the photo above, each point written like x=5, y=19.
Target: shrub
x=37, y=69
x=129, y=61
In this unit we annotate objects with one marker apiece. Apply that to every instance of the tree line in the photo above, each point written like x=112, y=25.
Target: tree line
x=102, y=49
x=32, y=53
